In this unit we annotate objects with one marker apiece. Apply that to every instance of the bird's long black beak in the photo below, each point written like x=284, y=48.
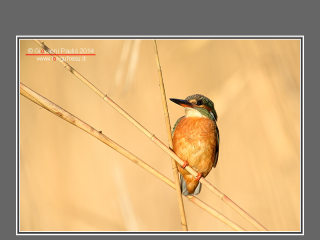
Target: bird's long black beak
x=183, y=103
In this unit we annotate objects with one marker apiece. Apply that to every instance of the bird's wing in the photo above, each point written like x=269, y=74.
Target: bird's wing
x=176, y=125
x=217, y=148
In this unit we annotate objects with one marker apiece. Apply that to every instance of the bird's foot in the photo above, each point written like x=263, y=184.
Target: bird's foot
x=185, y=163
x=198, y=176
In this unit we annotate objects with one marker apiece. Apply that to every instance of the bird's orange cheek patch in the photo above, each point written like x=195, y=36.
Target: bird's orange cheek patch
x=186, y=105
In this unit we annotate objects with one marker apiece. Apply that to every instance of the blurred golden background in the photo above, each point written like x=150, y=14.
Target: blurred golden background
x=70, y=181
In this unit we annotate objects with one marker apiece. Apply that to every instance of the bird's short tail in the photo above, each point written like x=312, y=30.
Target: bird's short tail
x=184, y=189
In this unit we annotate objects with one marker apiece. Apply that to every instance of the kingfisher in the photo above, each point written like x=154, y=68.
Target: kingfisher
x=195, y=139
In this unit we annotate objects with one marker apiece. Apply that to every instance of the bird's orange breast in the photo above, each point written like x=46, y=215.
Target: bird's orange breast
x=194, y=140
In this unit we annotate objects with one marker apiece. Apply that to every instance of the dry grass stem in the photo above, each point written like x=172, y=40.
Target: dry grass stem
x=154, y=139
x=60, y=112
x=168, y=127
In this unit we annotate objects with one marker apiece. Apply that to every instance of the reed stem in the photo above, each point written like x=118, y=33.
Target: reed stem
x=168, y=127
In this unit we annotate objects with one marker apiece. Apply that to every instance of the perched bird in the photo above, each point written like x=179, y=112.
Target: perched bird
x=196, y=140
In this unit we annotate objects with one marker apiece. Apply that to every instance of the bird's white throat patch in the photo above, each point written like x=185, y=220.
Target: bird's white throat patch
x=191, y=112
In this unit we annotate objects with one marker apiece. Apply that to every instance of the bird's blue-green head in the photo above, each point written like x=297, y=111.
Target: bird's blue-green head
x=203, y=106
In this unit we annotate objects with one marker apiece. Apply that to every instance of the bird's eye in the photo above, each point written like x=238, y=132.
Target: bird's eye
x=199, y=102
